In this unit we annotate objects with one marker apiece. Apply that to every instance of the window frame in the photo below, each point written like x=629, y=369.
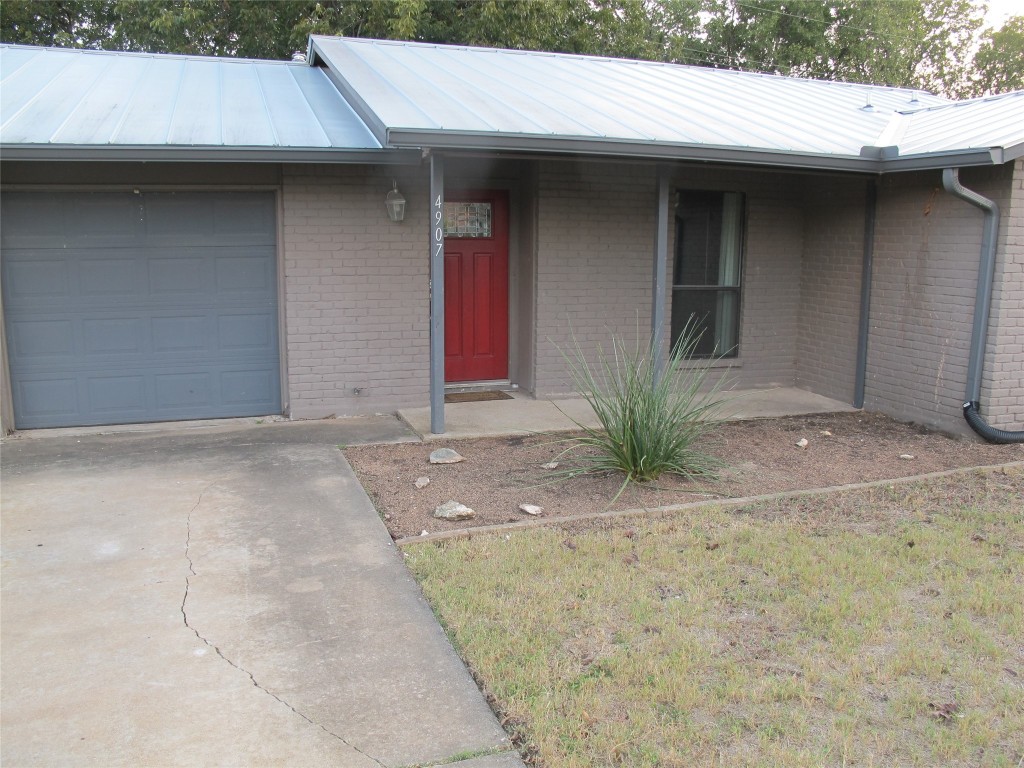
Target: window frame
x=735, y=290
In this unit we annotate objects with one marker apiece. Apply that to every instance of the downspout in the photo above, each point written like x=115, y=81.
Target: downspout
x=982, y=307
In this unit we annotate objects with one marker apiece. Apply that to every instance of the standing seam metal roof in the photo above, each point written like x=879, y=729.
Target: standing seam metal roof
x=483, y=98
x=59, y=102
x=366, y=100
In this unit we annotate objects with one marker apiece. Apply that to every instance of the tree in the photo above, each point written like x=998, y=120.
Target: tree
x=887, y=42
x=999, y=62
x=62, y=23
x=914, y=43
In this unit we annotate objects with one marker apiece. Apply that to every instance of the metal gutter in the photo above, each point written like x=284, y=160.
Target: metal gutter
x=116, y=153
x=871, y=162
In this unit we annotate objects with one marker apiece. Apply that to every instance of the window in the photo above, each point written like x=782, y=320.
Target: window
x=467, y=219
x=706, y=272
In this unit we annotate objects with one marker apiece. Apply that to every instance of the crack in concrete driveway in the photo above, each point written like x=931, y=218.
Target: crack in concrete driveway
x=291, y=581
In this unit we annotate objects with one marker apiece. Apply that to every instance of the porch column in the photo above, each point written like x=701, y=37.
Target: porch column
x=864, y=326
x=436, y=294
x=660, y=269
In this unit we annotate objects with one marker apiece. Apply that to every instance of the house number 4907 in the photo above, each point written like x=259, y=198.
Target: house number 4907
x=438, y=230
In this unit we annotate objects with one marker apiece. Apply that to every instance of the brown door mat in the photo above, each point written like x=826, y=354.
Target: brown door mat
x=475, y=397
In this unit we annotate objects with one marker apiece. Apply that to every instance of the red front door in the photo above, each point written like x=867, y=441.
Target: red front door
x=476, y=286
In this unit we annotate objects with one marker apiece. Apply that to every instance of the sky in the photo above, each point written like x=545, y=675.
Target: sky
x=1000, y=10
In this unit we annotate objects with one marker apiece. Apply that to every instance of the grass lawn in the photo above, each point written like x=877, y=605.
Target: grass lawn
x=869, y=628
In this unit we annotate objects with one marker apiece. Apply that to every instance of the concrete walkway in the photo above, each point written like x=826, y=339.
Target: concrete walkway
x=523, y=414
x=222, y=596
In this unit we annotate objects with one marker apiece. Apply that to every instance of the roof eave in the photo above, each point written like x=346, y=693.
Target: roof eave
x=876, y=163
x=627, y=149
x=939, y=160
x=117, y=153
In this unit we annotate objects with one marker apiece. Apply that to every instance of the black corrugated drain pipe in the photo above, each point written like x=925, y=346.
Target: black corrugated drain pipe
x=982, y=306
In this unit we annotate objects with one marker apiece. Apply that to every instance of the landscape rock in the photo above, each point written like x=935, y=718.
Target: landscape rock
x=424, y=533
x=825, y=433
x=422, y=482
x=531, y=509
x=550, y=465
x=453, y=510
x=802, y=442
x=445, y=456
x=906, y=456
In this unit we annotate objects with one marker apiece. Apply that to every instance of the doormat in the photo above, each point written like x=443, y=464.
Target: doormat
x=476, y=397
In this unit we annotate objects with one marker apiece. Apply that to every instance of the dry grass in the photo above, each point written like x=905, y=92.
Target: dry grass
x=868, y=628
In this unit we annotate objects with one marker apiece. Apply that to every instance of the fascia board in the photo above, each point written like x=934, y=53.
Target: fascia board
x=46, y=152
x=627, y=149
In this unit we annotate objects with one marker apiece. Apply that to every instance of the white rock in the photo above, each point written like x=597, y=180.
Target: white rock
x=550, y=465
x=422, y=482
x=825, y=433
x=906, y=456
x=445, y=456
x=453, y=510
x=531, y=509
x=802, y=442
x=424, y=533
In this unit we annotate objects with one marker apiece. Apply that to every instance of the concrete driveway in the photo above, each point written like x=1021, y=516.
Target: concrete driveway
x=219, y=596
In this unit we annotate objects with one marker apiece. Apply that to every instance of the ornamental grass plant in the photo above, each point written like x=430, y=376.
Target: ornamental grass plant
x=650, y=420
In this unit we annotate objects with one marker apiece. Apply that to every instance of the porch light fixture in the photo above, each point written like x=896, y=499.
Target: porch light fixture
x=395, y=204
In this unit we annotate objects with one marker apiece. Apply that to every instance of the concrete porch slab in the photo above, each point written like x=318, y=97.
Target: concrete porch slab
x=524, y=415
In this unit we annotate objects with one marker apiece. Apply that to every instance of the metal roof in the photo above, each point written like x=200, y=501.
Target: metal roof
x=74, y=104
x=989, y=122
x=416, y=94
x=381, y=101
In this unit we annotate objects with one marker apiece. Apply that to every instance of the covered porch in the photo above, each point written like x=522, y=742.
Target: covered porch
x=523, y=414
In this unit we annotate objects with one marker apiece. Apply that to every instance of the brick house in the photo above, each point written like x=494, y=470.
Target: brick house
x=190, y=237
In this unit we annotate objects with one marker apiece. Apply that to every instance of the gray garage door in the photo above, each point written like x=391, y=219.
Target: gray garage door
x=124, y=307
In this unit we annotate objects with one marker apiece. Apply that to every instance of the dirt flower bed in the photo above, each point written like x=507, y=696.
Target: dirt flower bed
x=760, y=457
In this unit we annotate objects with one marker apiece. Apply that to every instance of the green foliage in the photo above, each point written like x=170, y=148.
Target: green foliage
x=920, y=44
x=999, y=63
x=913, y=43
x=650, y=423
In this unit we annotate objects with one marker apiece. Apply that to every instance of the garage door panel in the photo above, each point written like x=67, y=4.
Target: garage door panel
x=117, y=395
x=37, y=340
x=246, y=387
x=250, y=332
x=46, y=399
x=175, y=391
x=37, y=275
x=233, y=219
x=173, y=326
x=237, y=220
x=101, y=220
x=178, y=276
x=113, y=336
x=187, y=333
x=248, y=274
x=104, y=277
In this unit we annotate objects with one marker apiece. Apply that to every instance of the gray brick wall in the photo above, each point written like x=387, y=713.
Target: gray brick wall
x=1002, y=402
x=830, y=281
x=595, y=250
x=595, y=241
x=926, y=260
x=355, y=291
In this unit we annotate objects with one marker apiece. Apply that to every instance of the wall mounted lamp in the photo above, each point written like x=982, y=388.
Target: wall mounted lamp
x=395, y=204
